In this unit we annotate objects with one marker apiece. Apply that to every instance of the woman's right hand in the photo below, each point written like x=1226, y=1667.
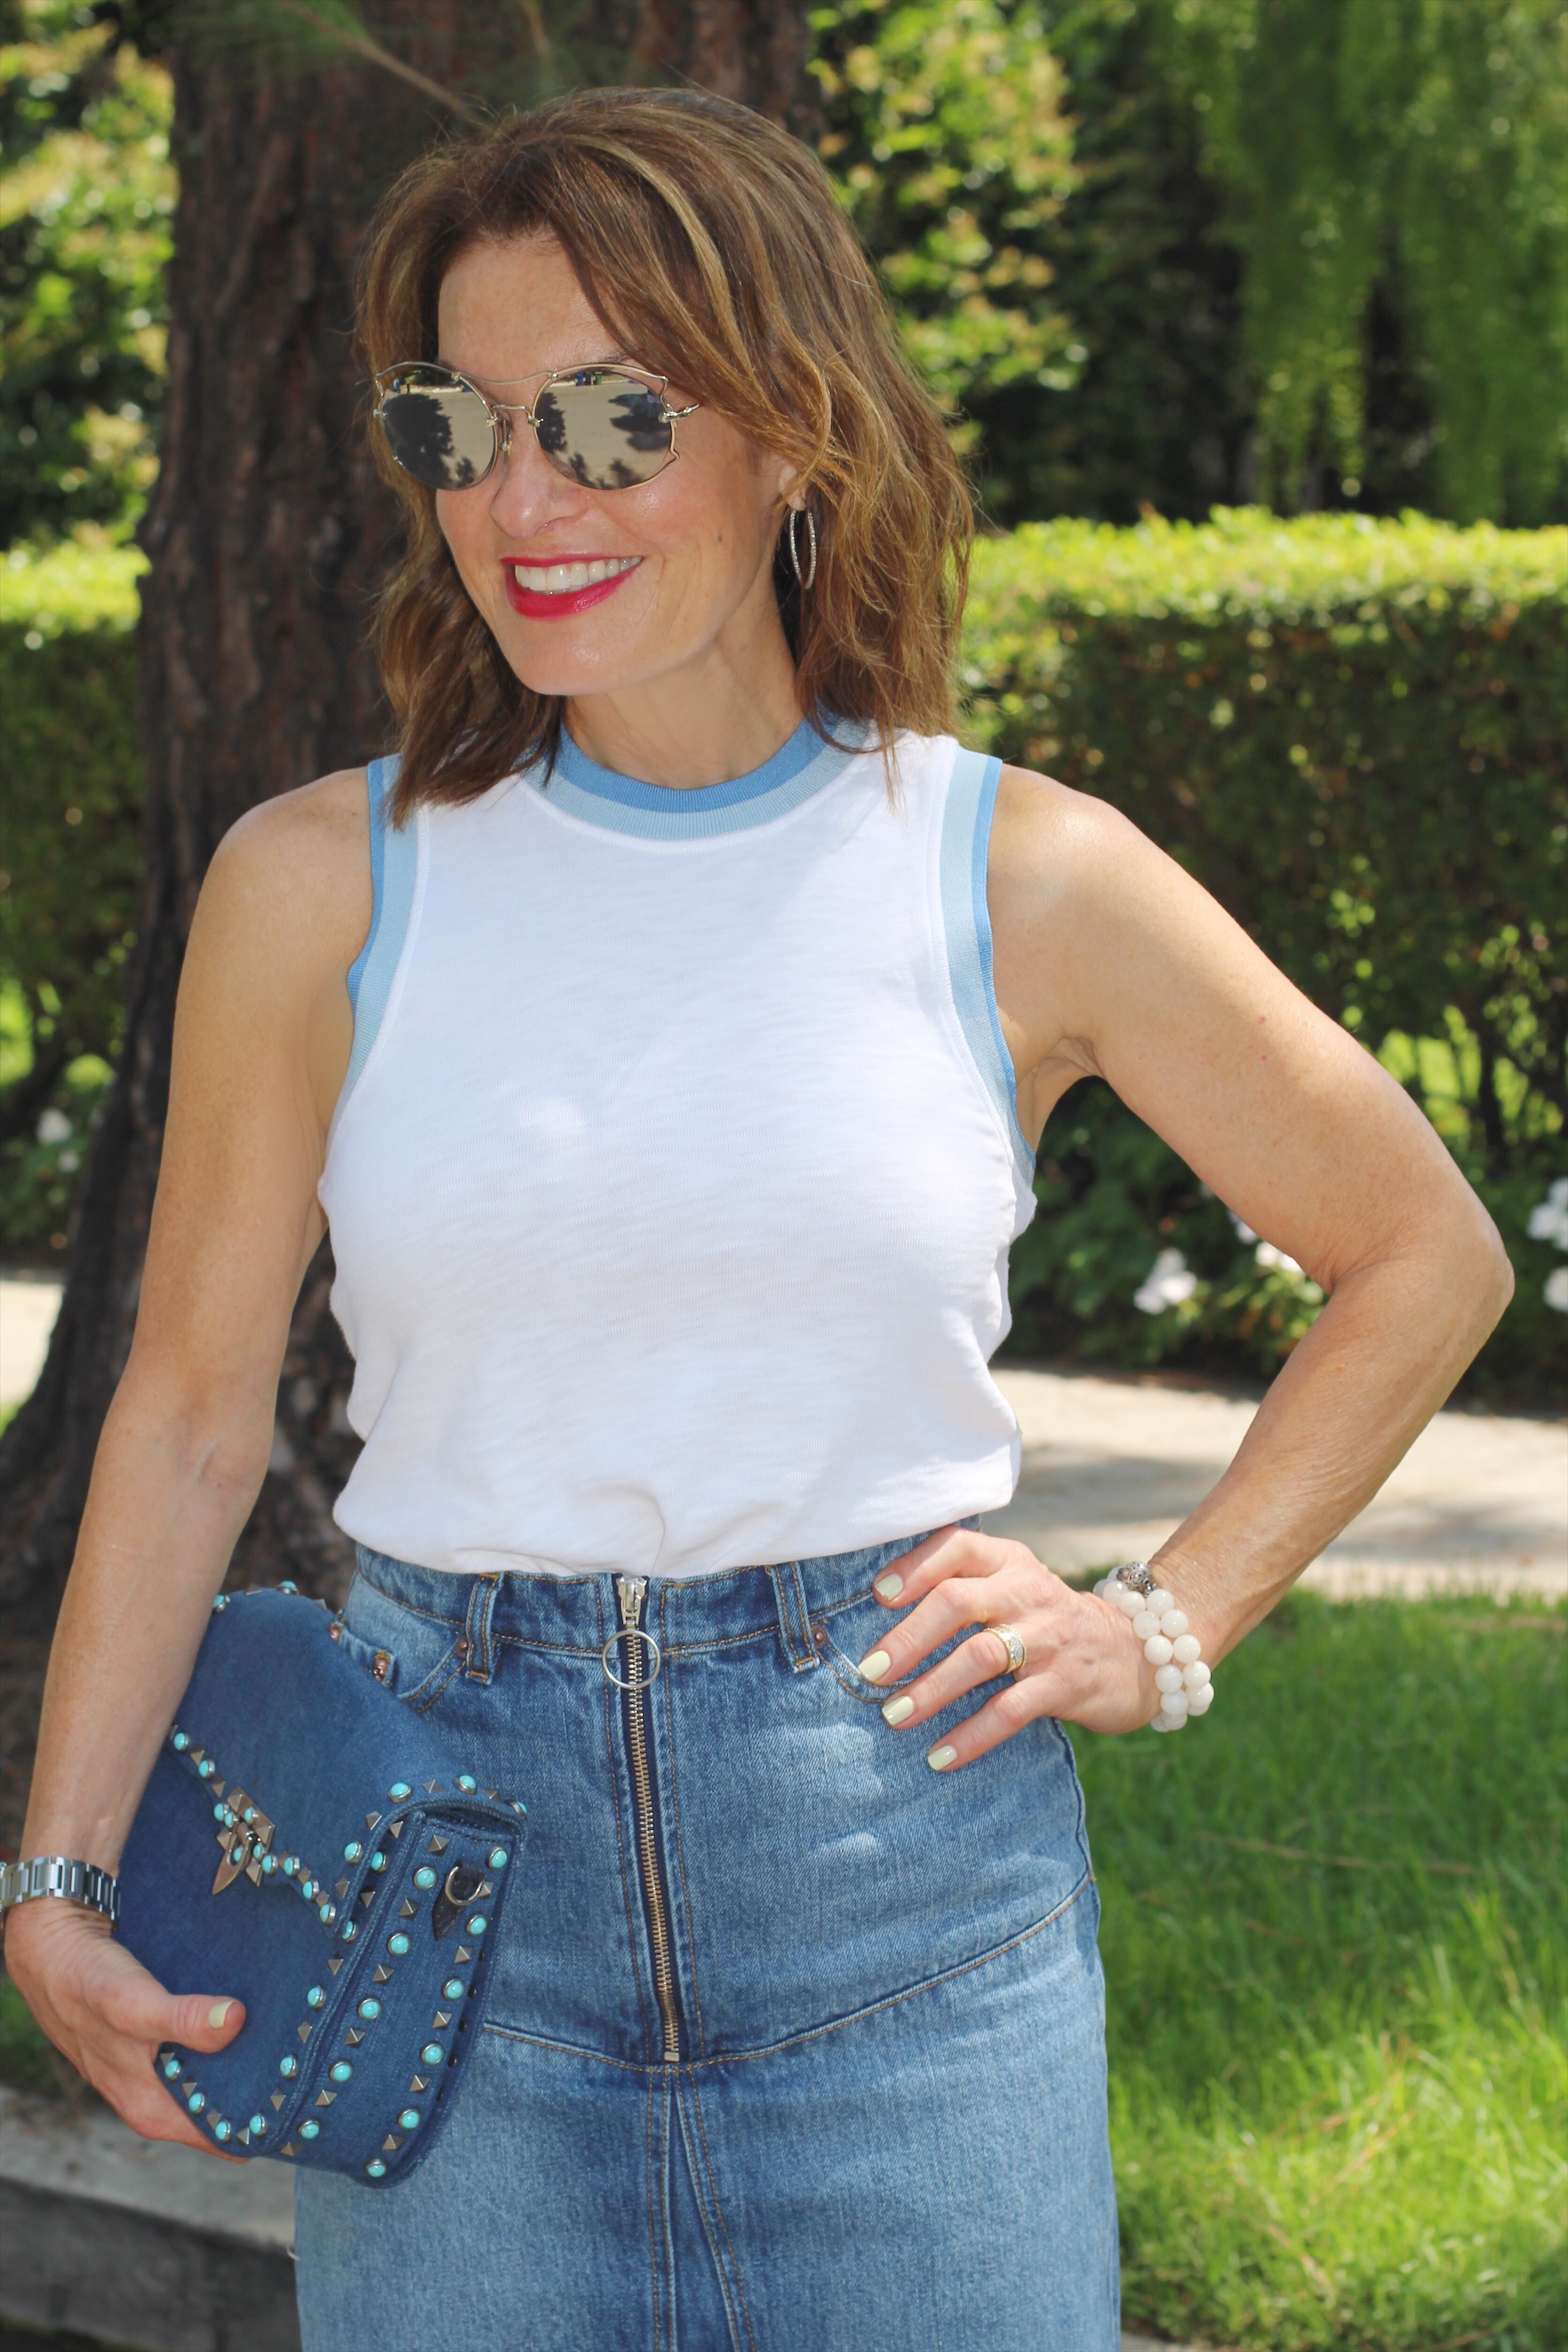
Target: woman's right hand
x=111, y=2018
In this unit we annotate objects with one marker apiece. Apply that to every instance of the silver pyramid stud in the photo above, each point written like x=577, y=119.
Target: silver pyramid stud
x=278, y=2097
x=353, y=2038
x=325, y=2098
x=341, y=1888
x=216, y=1787
x=394, y=1828
x=367, y=1897
x=371, y=1820
x=382, y=1975
x=288, y=2149
x=303, y=2032
x=335, y=1965
x=493, y=1796
x=407, y=1910
x=418, y=2084
x=483, y=1888
x=443, y=2019
x=433, y=1788
x=439, y=1845
x=462, y=1956
x=198, y=1755
x=243, y=2136
x=391, y=2144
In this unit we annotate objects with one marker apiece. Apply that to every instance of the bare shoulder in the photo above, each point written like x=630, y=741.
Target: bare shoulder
x=293, y=875
x=1048, y=838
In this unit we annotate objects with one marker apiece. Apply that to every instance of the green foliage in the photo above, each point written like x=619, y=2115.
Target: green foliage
x=1424, y=141
x=1336, y=1950
x=952, y=157
x=86, y=195
x=71, y=873
x=1353, y=734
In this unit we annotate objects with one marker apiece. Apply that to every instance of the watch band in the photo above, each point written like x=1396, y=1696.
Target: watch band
x=55, y=1874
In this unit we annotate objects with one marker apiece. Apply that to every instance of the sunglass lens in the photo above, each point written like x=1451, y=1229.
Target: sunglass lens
x=438, y=429
x=607, y=432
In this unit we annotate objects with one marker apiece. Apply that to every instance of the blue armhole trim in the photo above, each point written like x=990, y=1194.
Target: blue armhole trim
x=394, y=869
x=966, y=917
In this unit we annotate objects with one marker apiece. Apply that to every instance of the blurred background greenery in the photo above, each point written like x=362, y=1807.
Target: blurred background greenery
x=1159, y=257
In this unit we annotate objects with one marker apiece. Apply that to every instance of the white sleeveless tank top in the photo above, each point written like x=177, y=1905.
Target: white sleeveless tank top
x=674, y=1175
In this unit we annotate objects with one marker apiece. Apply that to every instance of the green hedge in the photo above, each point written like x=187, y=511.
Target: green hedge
x=1356, y=734
x=69, y=866
x=1353, y=732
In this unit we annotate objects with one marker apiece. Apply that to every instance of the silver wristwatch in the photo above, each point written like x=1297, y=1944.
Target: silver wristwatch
x=52, y=1874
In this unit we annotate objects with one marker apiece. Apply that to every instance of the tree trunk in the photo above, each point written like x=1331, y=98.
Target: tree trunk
x=268, y=535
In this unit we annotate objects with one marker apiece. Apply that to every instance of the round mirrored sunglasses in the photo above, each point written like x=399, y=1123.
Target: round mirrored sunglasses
x=601, y=425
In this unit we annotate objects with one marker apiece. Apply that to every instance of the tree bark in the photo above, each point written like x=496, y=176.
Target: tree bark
x=268, y=535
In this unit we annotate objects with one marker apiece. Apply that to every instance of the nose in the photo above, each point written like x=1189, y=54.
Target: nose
x=527, y=490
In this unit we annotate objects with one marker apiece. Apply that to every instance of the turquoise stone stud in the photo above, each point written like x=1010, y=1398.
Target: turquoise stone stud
x=221, y=1602
x=179, y=1741
x=424, y=1878
x=195, y=2101
x=370, y=2009
x=352, y=1851
x=287, y=1587
x=342, y=2070
x=466, y=1781
x=289, y=1864
x=378, y=1860
x=376, y=2170
x=397, y=1944
x=453, y=1989
x=171, y=2069
x=222, y=2128
x=221, y=1814
x=309, y=2129
x=410, y=2119
x=206, y=1768
x=519, y=1807
x=269, y=1864
x=477, y=1924
x=398, y=1790
x=257, y=2127
x=248, y=1815
x=349, y=1931
x=327, y=1913
x=288, y=2066
x=432, y=2055
x=315, y=1997
x=496, y=1858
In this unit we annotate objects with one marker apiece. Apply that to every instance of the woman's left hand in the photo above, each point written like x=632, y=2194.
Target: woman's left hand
x=1084, y=1663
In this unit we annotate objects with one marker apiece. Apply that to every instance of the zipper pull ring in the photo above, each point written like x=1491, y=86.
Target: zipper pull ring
x=632, y=1591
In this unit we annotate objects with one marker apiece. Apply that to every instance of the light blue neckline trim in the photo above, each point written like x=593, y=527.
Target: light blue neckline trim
x=662, y=813
x=393, y=871
x=966, y=917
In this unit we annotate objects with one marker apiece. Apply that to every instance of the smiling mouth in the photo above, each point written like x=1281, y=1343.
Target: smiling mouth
x=568, y=579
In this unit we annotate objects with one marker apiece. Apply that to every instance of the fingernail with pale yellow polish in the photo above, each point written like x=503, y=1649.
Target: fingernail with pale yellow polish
x=938, y=1759
x=890, y=1585
x=874, y=1665
x=898, y=1710
x=218, y=2015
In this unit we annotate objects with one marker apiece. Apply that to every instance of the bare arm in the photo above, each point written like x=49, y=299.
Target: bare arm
x=261, y=1042
x=1110, y=960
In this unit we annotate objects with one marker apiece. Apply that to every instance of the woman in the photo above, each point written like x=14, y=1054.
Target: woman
x=704, y=1004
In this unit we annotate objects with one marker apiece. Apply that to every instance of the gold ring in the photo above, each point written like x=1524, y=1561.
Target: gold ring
x=1014, y=1643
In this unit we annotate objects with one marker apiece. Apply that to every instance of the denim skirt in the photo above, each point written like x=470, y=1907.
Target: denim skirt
x=791, y=2041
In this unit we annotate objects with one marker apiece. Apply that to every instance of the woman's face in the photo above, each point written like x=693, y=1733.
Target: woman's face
x=691, y=554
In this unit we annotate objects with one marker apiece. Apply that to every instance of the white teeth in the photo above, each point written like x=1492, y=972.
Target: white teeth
x=561, y=579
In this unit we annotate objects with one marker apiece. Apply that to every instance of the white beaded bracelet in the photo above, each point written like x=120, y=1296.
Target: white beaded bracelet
x=1183, y=1682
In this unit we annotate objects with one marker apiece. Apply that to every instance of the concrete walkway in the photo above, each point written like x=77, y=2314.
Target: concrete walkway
x=1111, y=1466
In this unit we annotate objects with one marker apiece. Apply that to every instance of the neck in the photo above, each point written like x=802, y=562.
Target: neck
x=706, y=723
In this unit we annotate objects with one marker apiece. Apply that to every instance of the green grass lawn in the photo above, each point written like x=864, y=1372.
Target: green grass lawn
x=1336, y=1941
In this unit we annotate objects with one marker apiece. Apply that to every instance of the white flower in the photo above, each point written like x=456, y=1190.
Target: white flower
x=1244, y=1232
x=1168, y=1281
x=54, y=1127
x=69, y=1163
x=1549, y=1218
x=1274, y=1260
x=1555, y=1292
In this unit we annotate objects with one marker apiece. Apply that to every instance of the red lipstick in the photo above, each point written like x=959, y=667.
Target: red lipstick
x=534, y=604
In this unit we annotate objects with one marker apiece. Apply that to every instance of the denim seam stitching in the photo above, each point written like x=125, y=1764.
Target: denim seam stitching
x=653, y=2229
x=680, y=1854
x=811, y=2032
x=700, y=2198
x=423, y=1697
x=724, y=2226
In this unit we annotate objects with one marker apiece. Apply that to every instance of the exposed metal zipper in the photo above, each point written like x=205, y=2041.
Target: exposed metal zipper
x=631, y=1592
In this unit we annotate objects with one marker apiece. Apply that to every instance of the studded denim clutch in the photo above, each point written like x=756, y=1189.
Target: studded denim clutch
x=311, y=1845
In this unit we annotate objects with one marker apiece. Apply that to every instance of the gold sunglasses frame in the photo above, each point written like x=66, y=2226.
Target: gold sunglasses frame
x=501, y=412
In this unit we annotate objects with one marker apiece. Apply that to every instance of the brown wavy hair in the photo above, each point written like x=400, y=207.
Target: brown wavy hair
x=711, y=242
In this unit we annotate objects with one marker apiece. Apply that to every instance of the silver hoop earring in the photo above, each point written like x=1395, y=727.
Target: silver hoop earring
x=804, y=580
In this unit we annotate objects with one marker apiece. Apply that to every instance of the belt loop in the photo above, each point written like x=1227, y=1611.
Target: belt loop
x=477, y=1629
x=794, y=1620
